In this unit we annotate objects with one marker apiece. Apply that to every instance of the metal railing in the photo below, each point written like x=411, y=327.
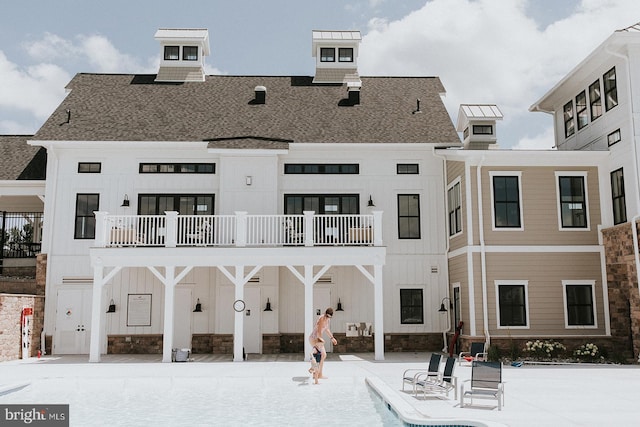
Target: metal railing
x=20, y=234
x=173, y=230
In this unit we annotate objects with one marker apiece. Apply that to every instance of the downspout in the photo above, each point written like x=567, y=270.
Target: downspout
x=483, y=255
x=445, y=349
x=634, y=230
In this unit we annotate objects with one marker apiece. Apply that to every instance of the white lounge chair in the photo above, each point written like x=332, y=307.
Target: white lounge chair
x=475, y=353
x=410, y=376
x=444, y=382
x=485, y=383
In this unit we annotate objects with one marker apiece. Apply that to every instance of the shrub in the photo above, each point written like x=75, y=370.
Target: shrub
x=587, y=351
x=544, y=349
x=494, y=354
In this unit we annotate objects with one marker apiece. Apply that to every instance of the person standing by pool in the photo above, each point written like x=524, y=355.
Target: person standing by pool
x=322, y=326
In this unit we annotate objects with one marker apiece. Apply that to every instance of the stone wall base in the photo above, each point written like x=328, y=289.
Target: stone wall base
x=134, y=344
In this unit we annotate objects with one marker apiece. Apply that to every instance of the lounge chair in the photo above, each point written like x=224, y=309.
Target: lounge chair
x=444, y=382
x=475, y=353
x=486, y=383
x=410, y=376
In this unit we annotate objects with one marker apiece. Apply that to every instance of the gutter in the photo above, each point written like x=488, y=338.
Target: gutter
x=483, y=254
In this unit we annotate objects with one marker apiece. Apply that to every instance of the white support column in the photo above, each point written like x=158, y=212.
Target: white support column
x=309, y=235
x=101, y=229
x=238, y=324
x=308, y=308
x=96, y=314
x=241, y=228
x=169, y=309
x=377, y=228
x=171, y=233
x=378, y=313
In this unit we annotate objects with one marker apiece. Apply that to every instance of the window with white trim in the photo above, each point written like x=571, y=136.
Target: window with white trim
x=454, y=208
x=579, y=303
x=506, y=200
x=411, y=307
x=618, y=197
x=572, y=200
x=327, y=54
x=512, y=304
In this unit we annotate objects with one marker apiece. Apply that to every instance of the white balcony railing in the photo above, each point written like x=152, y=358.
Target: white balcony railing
x=173, y=230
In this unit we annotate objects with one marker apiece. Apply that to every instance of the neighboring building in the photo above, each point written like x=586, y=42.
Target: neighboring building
x=282, y=197
x=596, y=107
x=525, y=262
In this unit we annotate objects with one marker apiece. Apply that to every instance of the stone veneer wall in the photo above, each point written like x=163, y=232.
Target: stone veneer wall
x=134, y=344
x=624, y=296
x=413, y=342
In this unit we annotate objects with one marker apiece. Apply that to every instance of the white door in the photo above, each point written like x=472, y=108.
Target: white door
x=321, y=301
x=73, y=321
x=252, y=321
x=182, y=318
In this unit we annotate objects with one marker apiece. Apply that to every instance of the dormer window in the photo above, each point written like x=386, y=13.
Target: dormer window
x=482, y=130
x=171, y=53
x=327, y=54
x=345, y=54
x=190, y=53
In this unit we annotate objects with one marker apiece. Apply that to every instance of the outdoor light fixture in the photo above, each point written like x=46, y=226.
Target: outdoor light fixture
x=339, y=308
x=125, y=202
x=268, y=307
x=442, y=307
x=198, y=308
x=248, y=180
x=112, y=307
x=370, y=204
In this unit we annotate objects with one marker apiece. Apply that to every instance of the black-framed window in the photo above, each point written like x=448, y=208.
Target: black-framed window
x=455, y=209
x=411, y=307
x=512, y=305
x=184, y=204
x=580, y=305
x=171, y=53
x=610, y=89
x=506, y=201
x=322, y=168
x=595, y=100
x=408, y=216
x=190, y=53
x=89, y=167
x=618, y=197
x=573, y=205
x=345, y=54
x=581, y=110
x=614, y=137
x=322, y=204
x=327, y=54
x=407, y=168
x=177, y=168
x=85, y=220
x=482, y=130
x=569, y=125
x=465, y=133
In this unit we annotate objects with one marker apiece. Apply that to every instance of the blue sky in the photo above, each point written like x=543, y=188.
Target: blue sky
x=506, y=52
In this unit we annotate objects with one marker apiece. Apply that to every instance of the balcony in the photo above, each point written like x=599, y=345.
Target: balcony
x=240, y=230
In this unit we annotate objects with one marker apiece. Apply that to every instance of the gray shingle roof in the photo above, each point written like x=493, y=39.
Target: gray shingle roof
x=19, y=160
x=116, y=107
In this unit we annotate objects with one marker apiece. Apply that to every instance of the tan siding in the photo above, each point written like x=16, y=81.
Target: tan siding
x=456, y=170
x=540, y=209
x=545, y=273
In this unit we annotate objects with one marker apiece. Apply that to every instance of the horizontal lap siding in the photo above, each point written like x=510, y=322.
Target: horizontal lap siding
x=545, y=273
x=455, y=170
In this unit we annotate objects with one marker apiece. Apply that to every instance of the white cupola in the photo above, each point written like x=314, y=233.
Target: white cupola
x=182, y=53
x=336, y=54
x=477, y=122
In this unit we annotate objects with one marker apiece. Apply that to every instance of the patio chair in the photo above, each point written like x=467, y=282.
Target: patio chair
x=475, y=353
x=486, y=383
x=410, y=376
x=201, y=235
x=444, y=382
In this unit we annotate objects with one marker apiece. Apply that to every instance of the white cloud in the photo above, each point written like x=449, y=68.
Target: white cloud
x=489, y=51
x=542, y=141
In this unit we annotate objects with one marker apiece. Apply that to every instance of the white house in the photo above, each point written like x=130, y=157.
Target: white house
x=231, y=210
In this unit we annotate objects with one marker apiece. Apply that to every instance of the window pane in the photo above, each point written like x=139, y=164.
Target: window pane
x=408, y=216
x=618, y=196
x=595, y=99
x=581, y=109
x=411, y=306
x=171, y=53
x=511, y=299
x=85, y=221
x=580, y=305
x=569, y=128
x=345, y=54
x=506, y=196
x=610, y=89
x=327, y=54
x=190, y=53
x=572, y=202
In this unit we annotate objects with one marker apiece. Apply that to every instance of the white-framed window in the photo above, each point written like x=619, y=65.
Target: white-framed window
x=569, y=124
x=482, y=130
x=618, y=198
x=506, y=200
x=454, y=208
x=595, y=100
x=512, y=304
x=581, y=110
x=579, y=304
x=573, y=202
x=614, y=137
x=610, y=89
x=190, y=53
x=327, y=54
x=345, y=54
x=171, y=53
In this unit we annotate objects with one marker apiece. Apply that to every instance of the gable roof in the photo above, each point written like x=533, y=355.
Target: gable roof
x=21, y=161
x=125, y=107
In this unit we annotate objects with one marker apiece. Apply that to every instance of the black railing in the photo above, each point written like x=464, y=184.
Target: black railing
x=20, y=234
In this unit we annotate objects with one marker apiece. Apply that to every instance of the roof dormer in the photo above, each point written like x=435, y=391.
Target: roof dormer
x=182, y=54
x=336, y=54
x=477, y=122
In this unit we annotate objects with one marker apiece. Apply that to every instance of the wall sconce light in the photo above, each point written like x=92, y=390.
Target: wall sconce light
x=198, y=308
x=268, y=307
x=125, y=202
x=442, y=308
x=339, y=308
x=370, y=204
x=248, y=180
x=112, y=307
